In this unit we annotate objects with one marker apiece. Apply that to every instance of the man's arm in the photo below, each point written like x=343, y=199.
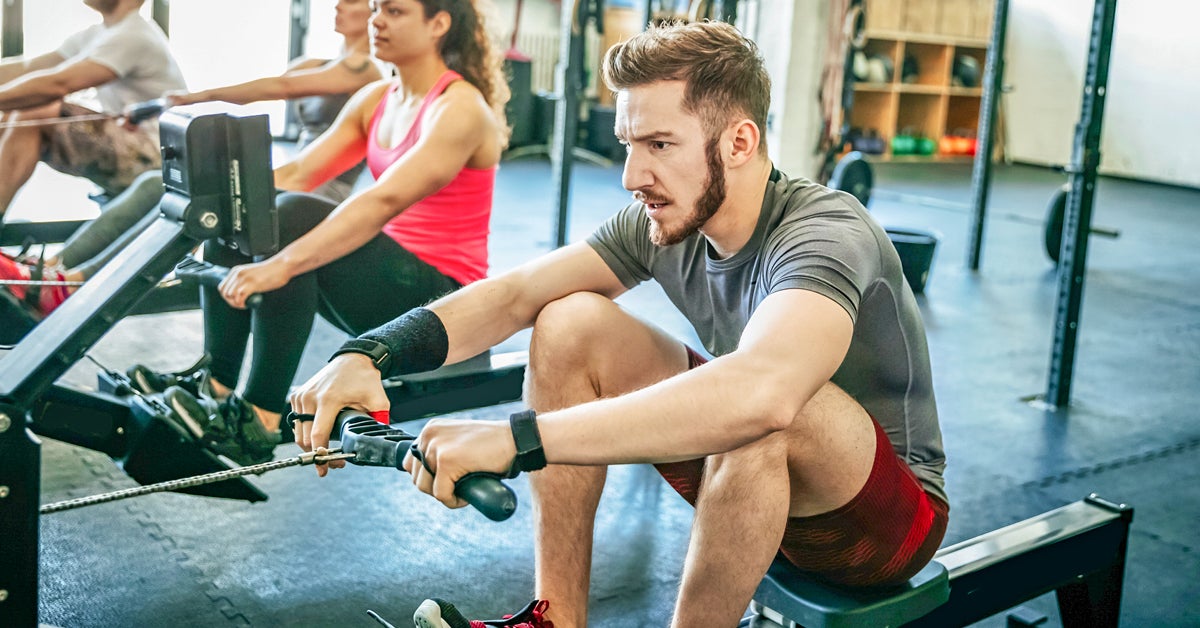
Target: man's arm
x=45, y=86
x=791, y=347
x=10, y=70
x=487, y=312
x=475, y=318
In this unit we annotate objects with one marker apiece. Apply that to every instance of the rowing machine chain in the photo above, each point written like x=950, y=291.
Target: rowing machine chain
x=320, y=456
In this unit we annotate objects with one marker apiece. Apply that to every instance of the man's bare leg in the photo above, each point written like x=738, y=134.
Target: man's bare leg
x=20, y=150
x=584, y=347
x=816, y=465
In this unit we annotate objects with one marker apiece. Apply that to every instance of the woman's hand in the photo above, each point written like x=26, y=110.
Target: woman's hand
x=180, y=98
x=349, y=381
x=250, y=279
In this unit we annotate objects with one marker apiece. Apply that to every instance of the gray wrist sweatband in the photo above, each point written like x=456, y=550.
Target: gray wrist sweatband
x=416, y=340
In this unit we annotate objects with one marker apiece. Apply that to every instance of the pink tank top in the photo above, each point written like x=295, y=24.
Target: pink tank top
x=449, y=228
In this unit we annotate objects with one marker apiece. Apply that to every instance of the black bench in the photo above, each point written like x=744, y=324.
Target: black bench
x=1077, y=551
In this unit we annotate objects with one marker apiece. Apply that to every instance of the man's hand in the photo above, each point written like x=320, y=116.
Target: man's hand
x=349, y=381
x=453, y=448
x=249, y=279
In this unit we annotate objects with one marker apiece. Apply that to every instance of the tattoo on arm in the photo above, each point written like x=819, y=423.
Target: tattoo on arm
x=357, y=69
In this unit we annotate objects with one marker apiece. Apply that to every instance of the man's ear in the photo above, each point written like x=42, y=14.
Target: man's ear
x=743, y=142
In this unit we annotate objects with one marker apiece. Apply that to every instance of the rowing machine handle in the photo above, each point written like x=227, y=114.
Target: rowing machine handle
x=139, y=112
x=377, y=445
x=208, y=274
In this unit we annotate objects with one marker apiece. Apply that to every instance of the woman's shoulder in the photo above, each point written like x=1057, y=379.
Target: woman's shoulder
x=462, y=95
x=306, y=63
x=373, y=92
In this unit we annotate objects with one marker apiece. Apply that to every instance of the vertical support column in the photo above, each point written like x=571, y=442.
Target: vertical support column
x=981, y=173
x=20, y=492
x=1077, y=221
x=566, y=114
x=161, y=12
x=297, y=31
x=12, y=40
x=298, y=28
x=793, y=37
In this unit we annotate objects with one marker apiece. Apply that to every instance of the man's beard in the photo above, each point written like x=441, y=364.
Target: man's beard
x=707, y=205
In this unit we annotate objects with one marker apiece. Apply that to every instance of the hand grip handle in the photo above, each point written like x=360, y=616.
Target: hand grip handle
x=141, y=111
x=208, y=274
x=495, y=499
x=374, y=444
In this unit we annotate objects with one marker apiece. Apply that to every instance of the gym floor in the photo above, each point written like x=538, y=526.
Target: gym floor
x=320, y=553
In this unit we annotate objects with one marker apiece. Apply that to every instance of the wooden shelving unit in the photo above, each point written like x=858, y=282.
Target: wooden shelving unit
x=933, y=33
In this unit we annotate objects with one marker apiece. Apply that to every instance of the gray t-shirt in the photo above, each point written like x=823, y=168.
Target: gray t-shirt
x=137, y=51
x=808, y=237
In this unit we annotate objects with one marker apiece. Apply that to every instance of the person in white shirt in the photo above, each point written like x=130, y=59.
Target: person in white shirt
x=126, y=59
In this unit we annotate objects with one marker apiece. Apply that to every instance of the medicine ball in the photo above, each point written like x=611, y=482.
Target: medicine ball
x=965, y=72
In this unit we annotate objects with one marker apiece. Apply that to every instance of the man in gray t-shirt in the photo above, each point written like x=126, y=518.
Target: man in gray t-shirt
x=126, y=60
x=807, y=237
x=813, y=432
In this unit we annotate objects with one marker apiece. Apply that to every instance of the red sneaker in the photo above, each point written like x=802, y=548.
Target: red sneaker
x=41, y=299
x=11, y=269
x=437, y=613
x=52, y=296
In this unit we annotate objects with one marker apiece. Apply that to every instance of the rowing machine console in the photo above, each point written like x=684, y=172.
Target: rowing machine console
x=217, y=177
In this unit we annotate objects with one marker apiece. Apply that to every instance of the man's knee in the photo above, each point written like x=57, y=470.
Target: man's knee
x=751, y=460
x=41, y=112
x=573, y=322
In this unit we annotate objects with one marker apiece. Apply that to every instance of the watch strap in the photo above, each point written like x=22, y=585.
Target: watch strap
x=380, y=354
x=530, y=455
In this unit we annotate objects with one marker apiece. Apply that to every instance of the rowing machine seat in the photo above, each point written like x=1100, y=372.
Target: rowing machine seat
x=788, y=597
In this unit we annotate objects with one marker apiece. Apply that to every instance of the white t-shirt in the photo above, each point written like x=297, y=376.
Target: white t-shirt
x=137, y=51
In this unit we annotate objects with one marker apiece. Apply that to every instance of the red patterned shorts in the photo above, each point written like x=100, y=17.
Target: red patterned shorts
x=883, y=536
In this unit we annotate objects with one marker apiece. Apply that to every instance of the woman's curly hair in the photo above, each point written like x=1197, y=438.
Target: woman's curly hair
x=468, y=48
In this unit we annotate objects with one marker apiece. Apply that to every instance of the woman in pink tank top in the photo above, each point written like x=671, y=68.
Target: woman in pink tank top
x=432, y=137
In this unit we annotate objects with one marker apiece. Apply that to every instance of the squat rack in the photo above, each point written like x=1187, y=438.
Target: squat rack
x=1082, y=173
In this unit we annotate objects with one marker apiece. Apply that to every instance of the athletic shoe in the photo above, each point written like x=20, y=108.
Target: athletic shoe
x=437, y=613
x=230, y=428
x=195, y=378
x=239, y=435
x=188, y=411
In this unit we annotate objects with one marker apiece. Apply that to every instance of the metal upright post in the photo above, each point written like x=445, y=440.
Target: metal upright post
x=160, y=11
x=20, y=494
x=298, y=29
x=981, y=173
x=12, y=40
x=1077, y=221
x=566, y=115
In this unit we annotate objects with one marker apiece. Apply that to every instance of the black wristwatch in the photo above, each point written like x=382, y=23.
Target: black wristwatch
x=530, y=455
x=380, y=354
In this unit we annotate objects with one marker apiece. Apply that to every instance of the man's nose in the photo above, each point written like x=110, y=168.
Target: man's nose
x=636, y=175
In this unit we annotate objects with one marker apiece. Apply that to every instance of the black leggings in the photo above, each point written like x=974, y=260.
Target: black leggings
x=362, y=290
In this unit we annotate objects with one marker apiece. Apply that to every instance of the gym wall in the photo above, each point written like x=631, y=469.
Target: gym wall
x=1150, y=126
